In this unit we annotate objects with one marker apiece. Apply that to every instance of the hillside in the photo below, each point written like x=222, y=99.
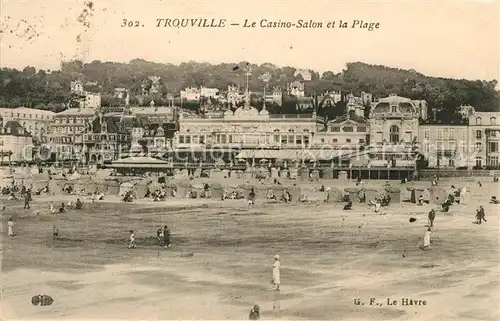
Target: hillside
x=49, y=89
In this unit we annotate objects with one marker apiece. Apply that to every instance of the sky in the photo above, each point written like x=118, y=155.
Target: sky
x=446, y=38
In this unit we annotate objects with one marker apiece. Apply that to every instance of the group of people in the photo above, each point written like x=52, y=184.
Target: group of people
x=163, y=236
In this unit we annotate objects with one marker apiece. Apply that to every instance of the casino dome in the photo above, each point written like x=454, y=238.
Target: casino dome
x=394, y=105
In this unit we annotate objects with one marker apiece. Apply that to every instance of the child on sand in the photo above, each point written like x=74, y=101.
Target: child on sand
x=276, y=272
x=254, y=313
x=131, y=244
x=427, y=239
x=11, y=227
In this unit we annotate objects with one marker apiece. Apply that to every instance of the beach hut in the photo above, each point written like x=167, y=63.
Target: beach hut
x=141, y=188
x=294, y=173
x=54, y=188
x=91, y=187
x=315, y=174
x=328, y=173
x=415, y=194
x=295, y=192
x=304, y=173
x=284, y=173
x=437, y=195
x=333, y=195
x=394, y=193
x=183, y=187
x=125, y=187
x=112, y=187
x=372, y=193
x=171, y=187
x=353, y=193
x=217, y=190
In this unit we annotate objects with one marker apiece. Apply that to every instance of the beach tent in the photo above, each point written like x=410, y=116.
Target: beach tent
x=328, y=173
x=333, y=195
x=141, y=189
x=372, y=193
x=437, y=195
x=217, y=190
x=304, y=173
x=295, y=192
x=353, y=193
x=112, y=187
x=54, y=188
x=415, y=194
x=125, y=187
x=394, y=193
x=91, y=187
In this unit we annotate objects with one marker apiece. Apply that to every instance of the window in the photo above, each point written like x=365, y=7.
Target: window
x=493, y=121
x=284, y=140
x=181, y=139
x=335, y=129
x=451, y=162
x=479, y=146
x=291, y=139
x=493, y=147
x=492, y=161
x=334, y=140
x=478, y=121
x=298, y=140
x=479, y=134
x=223, y=139
x=452, y=133
x=347, y=140
x=394, y=134
x=492, y=133
x=394, y=109
x=187, y=139
x=361, y=141
x=361, y=129
x=202, y=139
x=276, y=139
x=348, y=129
x=306, y=140
x=479, y=161
x=427, y=134
x=439, y=134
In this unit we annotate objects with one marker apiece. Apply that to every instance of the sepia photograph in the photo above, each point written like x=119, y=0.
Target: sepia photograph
x=177, y=160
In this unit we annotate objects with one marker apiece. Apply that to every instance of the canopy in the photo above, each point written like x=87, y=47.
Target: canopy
x=140, y=162
x=283, y=154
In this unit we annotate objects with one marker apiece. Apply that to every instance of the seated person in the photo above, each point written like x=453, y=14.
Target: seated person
x=78, y=204
x=420, y=200
x=62, y=209
x=494, y=200
x=322, y=189
x=303, y=198
x=445, y=206
x=348, y=206
x=12, y=196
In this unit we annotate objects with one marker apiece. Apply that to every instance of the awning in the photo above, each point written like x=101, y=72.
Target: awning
x=308, y=154
x=140, y=162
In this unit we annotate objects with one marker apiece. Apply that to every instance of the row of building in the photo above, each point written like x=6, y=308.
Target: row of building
x=397, y=128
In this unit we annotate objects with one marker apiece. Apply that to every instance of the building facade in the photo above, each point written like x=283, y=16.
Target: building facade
x=349, y=131
x=105, y=140
x=394, y=125
x=484, y=137
x=444, y=145
x=16, y=144
x=246, y=128
x=67, y=133
x=36, y=121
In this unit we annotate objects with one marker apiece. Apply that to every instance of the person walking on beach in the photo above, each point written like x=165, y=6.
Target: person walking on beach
x=432, y=216
x=254, y=313
x=427, y=239
x=480, y=216
x=27, y=198
x=131, y=244
x=166, y=237
x=276, y=272
x=10, y=226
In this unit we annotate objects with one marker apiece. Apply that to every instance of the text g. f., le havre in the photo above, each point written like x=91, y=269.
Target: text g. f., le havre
x=265, y=23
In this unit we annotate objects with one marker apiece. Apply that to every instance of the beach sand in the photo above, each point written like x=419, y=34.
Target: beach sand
x=329, y=258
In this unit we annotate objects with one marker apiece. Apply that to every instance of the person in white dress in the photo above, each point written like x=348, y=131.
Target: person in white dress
x=276, y=272
x=11, y=227
x=52, y=209
x=427, y=239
